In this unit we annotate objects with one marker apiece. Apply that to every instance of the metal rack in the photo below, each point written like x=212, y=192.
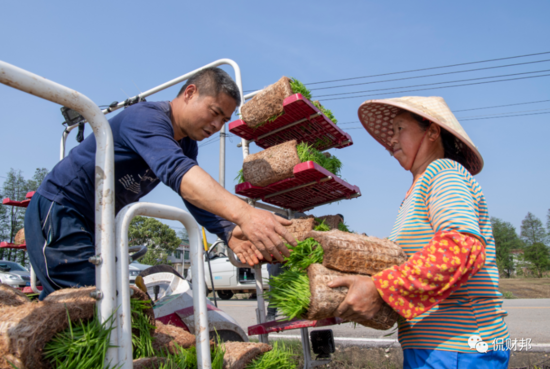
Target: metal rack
x=310, y=187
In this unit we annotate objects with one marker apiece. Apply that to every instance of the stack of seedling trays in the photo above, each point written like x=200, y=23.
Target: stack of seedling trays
x=291, y=171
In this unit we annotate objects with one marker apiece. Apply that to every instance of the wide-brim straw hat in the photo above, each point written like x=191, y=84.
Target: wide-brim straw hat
x=377, y=118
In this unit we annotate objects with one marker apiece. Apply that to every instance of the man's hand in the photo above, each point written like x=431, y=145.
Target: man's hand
x=244, y=249
x=260, y=227
x=265, y=230
x=362, y=301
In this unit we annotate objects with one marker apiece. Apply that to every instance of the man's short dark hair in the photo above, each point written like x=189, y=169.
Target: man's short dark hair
x=212, y=81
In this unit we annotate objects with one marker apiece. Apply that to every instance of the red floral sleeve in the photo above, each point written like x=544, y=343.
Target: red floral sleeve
x=431, y=275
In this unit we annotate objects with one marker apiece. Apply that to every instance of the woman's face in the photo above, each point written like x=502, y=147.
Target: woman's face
x=406, y=139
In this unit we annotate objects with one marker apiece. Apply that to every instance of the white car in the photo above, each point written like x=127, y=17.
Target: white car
x=229, y=279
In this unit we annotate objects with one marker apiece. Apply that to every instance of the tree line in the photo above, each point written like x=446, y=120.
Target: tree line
x=526, y=254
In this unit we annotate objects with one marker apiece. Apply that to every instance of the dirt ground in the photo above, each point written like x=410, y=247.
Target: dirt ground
x=348, y=357
x=525, y=288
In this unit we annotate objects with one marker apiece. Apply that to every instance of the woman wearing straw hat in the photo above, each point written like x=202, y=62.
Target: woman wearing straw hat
x=447, y=292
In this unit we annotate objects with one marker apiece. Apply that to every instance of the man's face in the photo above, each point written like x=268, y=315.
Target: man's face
x=200, y=116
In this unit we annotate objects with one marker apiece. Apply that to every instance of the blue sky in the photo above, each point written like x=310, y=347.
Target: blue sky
x=107, y=50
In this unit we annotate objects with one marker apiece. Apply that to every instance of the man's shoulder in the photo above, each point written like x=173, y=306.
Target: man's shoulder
x=148, y=109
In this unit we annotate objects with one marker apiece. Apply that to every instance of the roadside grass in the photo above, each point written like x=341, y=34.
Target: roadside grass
x=525, y=288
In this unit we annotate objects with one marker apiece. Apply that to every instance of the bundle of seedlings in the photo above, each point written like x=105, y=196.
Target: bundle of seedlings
x=267, y=105
x=28, y=328
x=277, y=163
x=302, y=291
x=229, y=355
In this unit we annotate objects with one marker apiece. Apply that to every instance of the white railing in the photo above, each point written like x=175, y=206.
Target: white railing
x=123, y=220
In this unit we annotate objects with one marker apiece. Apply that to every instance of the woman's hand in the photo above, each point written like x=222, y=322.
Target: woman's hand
x=362, y=301
x=243, y=248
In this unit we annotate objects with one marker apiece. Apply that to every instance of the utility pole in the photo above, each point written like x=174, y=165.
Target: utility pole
x=222, y=156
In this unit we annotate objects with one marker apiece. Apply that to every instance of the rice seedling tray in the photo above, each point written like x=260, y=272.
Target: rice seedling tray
x=311, y=186
x=302, y=121
x=287, y=325
x=22, y=204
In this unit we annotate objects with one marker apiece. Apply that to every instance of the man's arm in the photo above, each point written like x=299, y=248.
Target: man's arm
x=261, y=227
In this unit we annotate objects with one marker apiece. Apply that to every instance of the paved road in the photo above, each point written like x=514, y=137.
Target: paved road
x=527, y=318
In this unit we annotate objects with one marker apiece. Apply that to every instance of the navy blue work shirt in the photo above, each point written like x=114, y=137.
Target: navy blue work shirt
x=146, y=153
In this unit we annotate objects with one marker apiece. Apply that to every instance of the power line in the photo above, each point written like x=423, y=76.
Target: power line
x=512, y=114
x=433, y=83
x=497, y=114
x=502, y=106
x=437, y=88
x=422, y=69
x=429, y=75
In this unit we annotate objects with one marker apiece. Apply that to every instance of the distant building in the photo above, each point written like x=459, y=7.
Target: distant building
x=180, y=258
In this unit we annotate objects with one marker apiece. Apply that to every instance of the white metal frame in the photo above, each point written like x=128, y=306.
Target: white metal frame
x=123, y=219
x=104, y=174
x=107, y=278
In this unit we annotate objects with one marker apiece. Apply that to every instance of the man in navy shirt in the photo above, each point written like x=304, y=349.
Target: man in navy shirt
x=154, y=142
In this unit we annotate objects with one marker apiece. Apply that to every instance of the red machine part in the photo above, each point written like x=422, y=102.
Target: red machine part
x=314, y=127
x=22, y=204
x=8, y=245
x=286, y=325
x=311, y=186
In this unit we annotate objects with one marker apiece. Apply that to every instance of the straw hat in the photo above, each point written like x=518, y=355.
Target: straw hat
x=377, y=118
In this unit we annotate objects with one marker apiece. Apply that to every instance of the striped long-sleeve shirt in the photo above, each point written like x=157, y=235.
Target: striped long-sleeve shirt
x=446, y=296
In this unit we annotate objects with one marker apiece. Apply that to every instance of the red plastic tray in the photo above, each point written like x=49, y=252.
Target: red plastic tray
x=318, y=131
x=303, y=198
x=23, y=204
x=8, y=245
x=287, y=325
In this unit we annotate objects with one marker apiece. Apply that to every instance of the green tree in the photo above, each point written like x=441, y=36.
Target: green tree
x=538, y=256
x=161, y=240
x=532, y=230
x=506, y=240
x=37, y=178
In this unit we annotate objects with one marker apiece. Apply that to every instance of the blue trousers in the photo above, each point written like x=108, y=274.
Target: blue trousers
x=59, y=243
x=437, y=359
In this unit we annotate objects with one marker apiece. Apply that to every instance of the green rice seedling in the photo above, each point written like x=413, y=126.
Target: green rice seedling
x=240, y=177
x=187, y=358
x=289, y=292
x=299, y=88
x=321, y=227
x=143, y=341
x=343, y=227
x=279, y=357
x=327, y=112
x=304, y=254
x=81, y=346
x=307, y=152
